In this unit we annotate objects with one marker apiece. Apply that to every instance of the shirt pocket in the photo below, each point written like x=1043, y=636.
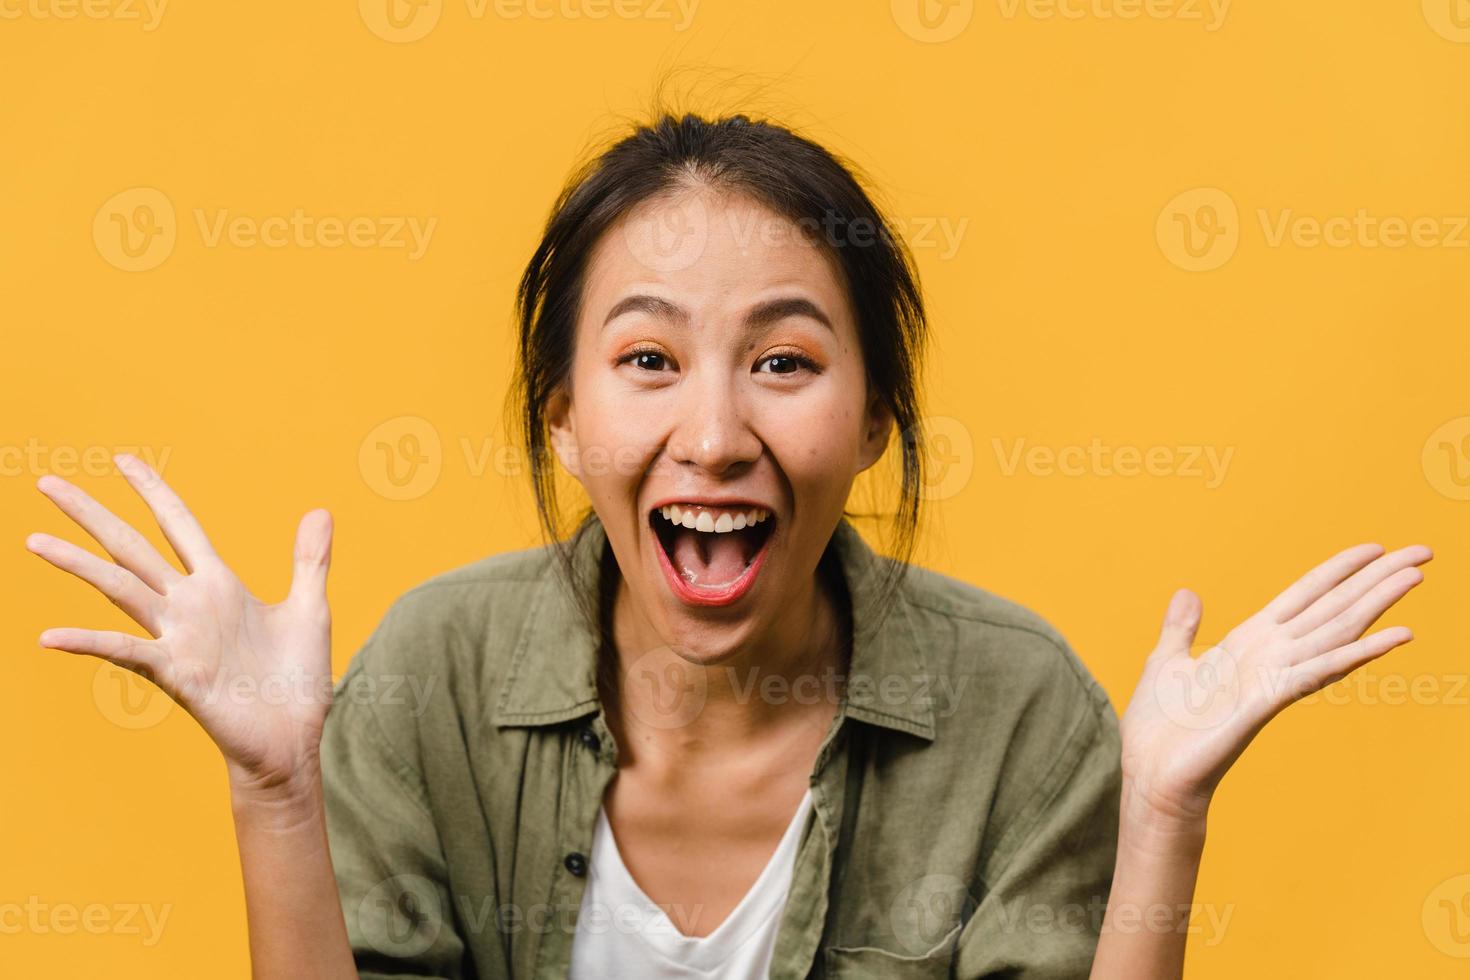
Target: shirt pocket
x=872, y=963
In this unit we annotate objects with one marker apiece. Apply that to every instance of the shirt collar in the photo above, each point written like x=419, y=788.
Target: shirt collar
x=552, y=675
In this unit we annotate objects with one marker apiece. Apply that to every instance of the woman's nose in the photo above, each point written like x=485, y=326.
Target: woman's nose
x=712, y=431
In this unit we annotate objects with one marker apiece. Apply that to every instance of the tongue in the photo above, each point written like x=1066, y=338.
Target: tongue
x=709, y=559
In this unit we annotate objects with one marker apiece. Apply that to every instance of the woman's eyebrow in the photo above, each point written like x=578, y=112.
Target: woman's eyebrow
x=762, y=315
x=652, y=305
x=776, y=310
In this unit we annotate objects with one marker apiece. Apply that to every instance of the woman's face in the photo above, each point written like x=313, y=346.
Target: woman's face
x=717, y=379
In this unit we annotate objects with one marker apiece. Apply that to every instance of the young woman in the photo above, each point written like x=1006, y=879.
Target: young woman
x=711, y=732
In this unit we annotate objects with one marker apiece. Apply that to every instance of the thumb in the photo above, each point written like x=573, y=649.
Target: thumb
x=1181, y=623
x=312, y=556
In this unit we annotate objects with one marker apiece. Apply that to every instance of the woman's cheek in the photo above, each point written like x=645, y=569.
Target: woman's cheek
x=817, y=456
x=615, y=463
x=615, y=427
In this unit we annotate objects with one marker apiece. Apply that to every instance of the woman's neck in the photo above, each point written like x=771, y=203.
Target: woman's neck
x=781, y=679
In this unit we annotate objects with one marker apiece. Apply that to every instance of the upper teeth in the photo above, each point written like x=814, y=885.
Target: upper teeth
x=717, y=520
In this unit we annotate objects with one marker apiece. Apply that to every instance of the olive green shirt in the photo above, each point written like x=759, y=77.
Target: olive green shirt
x=965, y=796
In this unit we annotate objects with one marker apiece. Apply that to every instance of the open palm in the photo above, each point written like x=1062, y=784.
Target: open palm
x=1192, y=716
x=256, y=676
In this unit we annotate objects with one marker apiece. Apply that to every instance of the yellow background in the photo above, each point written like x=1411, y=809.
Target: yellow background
x=1052, y=145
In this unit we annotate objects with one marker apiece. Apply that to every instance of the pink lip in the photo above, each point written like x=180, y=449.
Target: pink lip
x=734, y=503
x=709, y=597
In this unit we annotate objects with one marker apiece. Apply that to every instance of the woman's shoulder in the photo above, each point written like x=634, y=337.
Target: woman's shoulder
x=475, y=608
x=1022, y=731
x=971, y=633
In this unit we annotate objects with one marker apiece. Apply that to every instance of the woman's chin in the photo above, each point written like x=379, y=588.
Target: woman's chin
x=707, y=636
x=698, y=640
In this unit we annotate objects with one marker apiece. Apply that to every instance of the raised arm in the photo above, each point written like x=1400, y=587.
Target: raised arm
x=257, y=677
x=1191, y=717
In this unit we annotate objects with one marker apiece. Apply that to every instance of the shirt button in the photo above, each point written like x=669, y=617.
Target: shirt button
x=589, y=738
x=576, y=863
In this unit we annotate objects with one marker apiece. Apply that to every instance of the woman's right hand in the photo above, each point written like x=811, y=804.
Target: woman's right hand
x=257, y=677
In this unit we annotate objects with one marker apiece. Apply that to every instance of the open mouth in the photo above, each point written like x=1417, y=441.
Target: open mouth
x=711, y=554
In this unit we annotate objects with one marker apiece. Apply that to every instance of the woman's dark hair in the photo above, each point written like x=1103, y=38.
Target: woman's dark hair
x=787, y=173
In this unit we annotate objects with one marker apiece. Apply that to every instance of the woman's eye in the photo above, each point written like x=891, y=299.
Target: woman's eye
x=647, y=360
x=784, y=364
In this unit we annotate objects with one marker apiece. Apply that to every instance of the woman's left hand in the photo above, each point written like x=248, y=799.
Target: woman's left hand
x=1191, y=717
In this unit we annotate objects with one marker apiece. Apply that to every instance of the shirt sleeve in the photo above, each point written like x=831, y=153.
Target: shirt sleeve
x=1047, y=883
x=386, y=854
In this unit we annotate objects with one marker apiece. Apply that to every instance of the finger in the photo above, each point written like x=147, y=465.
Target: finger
x=1333, y=666
x=1352, y=622
x=312, y=557
x=124, y=588
x=1181, y=623
x=184, y=533
x=120, y=540
x=1311, y=586
x=131, y=652
x=1355, y=587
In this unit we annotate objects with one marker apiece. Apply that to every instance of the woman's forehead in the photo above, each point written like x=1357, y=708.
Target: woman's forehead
x=710, y=246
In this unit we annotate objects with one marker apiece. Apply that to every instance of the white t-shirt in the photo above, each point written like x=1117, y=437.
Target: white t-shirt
x=622, y=935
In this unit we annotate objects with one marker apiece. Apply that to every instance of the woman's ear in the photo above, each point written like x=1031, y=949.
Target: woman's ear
x=877, y=427
x=562, y=422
